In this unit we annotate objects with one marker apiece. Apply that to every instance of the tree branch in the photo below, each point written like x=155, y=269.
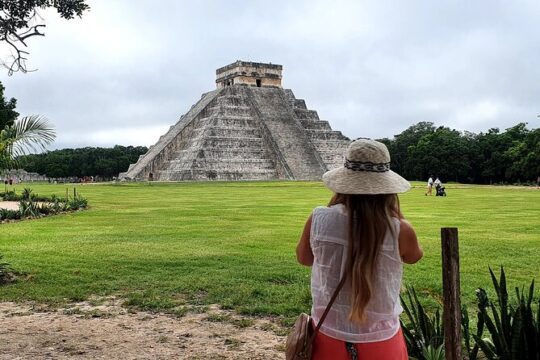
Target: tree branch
x=20, y=20
x=25, y=35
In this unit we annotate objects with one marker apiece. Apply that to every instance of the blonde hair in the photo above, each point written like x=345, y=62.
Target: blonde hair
x=369, y=220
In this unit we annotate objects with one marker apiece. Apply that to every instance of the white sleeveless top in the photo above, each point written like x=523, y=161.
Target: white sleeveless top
x=329, y=244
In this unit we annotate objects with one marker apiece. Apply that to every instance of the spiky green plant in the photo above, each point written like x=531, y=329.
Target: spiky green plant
x=422, y=329
x=514, y=328
x=29, y=208
x=26, y=193
x=431, y=353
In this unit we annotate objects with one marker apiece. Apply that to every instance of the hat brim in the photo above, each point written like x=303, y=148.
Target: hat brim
x=346, y=181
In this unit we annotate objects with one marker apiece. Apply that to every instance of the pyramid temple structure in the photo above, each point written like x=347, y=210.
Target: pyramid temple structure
x=248, y=128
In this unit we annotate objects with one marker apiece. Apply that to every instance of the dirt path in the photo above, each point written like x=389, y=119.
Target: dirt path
x=10, y=205
x=110, y=331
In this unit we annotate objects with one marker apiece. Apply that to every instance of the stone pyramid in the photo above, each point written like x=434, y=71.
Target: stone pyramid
x=249, y=128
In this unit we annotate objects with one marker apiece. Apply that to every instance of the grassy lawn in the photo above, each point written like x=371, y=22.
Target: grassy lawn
x=166, y=245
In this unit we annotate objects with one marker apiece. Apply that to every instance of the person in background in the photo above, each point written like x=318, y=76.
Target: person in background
x=360, y=240
x=429, y=185
x=437, y=182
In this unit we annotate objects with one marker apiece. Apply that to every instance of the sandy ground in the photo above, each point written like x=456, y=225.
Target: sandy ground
x=110, y=331
x=10, y=205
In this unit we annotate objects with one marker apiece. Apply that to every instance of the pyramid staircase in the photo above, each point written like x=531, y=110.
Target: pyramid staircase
x=244, y=133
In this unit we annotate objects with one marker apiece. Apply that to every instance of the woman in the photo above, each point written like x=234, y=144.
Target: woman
x=362, y=236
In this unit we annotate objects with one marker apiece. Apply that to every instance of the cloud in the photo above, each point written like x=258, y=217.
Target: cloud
x=140, y=135
x=371, y=68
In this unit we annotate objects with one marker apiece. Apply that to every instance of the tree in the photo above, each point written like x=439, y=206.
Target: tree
x=81, y=162
x=399, y=146
x=7, y=109
x=31, y=133
x=525, y=157
x=20, y=20
x=491, y=157
x=444, y=153
x=500, y=153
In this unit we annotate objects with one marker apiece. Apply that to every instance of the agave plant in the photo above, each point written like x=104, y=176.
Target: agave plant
x=423, y=331
x=27, y=193
x=29, y=208
x=29, y=134
x=514, y=328
x=431, y=353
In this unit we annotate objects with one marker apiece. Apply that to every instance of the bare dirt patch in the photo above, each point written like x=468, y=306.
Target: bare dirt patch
x=10, y=205
x=110, y=331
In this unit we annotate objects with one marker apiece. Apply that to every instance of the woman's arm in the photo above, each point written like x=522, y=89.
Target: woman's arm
x=304, y=255
x=409, y=248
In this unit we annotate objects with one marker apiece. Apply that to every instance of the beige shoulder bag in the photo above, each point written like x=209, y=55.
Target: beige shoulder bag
x=300, y=340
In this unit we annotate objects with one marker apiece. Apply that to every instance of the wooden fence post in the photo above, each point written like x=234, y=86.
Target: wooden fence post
x=451, y=293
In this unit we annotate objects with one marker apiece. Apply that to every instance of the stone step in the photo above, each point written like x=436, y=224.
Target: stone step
x=213, y=117
x=217, y=161
x=231, y=142
x=325, y=134
x=294, y=150
x=300, y=104
x=227, y=153
x=167, y=144
x=228, y=175
x=231, y=100
x=226, y=110
x=227, y=131
x=315, y=125
x=331, y=142
x=306, y=114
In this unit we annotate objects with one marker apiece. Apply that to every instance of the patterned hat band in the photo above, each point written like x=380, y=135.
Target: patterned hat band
x=367, y=166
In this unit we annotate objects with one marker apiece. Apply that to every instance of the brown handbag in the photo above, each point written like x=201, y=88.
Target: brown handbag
x=299, y=345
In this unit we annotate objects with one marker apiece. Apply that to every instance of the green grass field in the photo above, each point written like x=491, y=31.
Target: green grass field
x=163, y=246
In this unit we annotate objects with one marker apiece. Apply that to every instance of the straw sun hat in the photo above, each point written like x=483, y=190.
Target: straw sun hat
x=366, y=171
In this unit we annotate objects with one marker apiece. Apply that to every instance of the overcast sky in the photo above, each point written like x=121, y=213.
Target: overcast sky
x=127, y=70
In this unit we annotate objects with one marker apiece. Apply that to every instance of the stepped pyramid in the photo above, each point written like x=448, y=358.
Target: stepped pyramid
x=249, y=128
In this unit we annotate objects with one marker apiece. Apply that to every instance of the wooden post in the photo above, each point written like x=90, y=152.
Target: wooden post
x=451, y=293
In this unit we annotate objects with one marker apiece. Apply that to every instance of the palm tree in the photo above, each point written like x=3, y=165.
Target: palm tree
x=29, y=134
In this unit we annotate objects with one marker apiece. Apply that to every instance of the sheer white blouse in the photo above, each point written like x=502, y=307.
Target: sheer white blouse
x=329, y=244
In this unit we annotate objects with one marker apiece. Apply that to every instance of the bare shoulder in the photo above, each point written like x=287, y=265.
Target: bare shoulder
x=405, y=229
x=409, y=247
x=304, y=254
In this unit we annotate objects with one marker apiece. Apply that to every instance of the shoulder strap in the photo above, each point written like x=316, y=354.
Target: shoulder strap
x=334, y=297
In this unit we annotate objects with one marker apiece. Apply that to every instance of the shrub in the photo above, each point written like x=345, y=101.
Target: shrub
x=422, y=331
x=431, y=353
x=10, y=196
x=513, y=326
x=6, y=214
x=26, y=194
x=30, y=206
x=78, y=203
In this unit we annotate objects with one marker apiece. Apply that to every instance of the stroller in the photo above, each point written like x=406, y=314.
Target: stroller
x=439, y=190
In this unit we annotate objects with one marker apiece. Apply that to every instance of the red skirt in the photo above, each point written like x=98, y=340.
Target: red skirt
x=328, y=348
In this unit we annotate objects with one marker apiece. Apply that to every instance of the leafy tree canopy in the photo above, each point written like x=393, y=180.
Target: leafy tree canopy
x=7, y=110
x=20, y=20
x=496, y=156
x=81, y=162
